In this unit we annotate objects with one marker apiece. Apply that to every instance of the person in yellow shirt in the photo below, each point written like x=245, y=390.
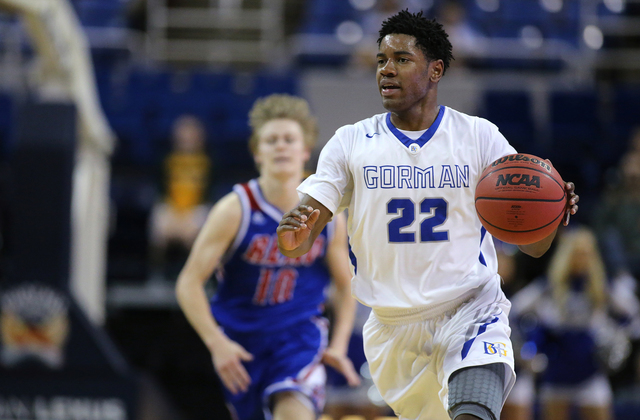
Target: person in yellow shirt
x=179, y=216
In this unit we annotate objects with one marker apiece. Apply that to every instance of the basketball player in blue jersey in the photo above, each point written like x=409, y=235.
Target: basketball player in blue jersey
x=264, y=326
x=437, y=340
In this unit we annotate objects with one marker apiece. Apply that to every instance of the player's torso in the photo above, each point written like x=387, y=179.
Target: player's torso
x=412, y=208
x=259, y=285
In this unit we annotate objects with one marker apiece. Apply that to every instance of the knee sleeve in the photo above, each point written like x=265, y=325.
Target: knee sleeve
x=477, y=390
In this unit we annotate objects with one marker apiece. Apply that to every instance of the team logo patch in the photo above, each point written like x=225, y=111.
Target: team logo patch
x=495, y=348
x=414, y=148
x=258, y=218
x=34, y=325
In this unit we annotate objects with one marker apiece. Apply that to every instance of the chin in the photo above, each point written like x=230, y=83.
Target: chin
x=284, y=171
x=392, y=105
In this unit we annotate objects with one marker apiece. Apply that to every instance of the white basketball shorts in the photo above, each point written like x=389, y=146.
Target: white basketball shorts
x=413, y=353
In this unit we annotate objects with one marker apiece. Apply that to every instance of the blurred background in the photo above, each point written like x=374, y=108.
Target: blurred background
x=123, y=121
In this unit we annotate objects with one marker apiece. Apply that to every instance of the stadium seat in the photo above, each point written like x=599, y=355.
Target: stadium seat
x=100, y=12
x=511, y=112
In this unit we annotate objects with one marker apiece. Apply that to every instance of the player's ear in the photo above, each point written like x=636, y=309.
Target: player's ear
x=436, y=69
x=307, y=154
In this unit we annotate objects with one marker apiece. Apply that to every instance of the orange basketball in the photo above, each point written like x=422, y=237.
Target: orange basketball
x=520, y=199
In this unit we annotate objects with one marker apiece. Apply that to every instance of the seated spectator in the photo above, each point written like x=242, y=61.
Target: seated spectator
x=464, y=38
x=363, y=58
x=571, y=309
x=617, y=219
x=178, y=217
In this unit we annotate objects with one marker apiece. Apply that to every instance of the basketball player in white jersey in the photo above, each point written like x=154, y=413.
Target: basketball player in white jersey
x=437, y=340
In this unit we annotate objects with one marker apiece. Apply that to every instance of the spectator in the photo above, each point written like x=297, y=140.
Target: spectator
x=464, y=38
x=617, y=219
x=571, y=308
x=519, y=404
x=179, y=216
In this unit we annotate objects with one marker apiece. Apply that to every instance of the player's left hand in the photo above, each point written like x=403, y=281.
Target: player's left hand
x=342, y=364
x=572, y=202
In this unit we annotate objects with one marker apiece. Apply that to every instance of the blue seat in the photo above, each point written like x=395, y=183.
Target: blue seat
x=511, y=112
x=323, y=16
x=580, y=108
x=6, y=122
x=626, y=104
x=267, y=84
x=100, y=13
x=523, y=12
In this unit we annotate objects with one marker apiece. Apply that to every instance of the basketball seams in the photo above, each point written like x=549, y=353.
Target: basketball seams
x=523, y=231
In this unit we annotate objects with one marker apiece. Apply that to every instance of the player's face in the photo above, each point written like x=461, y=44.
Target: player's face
x=403, y=72
x=281, y=148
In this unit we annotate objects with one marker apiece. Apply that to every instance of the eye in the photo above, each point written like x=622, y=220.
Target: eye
x=380, y=61
x=402, y=60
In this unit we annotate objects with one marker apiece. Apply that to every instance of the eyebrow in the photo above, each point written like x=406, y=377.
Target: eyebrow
x=401, y=52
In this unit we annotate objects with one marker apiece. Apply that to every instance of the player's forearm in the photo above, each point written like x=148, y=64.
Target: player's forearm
x=537, y=249
x=195, y=305
x=345, y=311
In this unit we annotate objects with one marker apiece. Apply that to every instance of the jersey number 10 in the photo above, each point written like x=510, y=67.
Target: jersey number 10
x=435, y=207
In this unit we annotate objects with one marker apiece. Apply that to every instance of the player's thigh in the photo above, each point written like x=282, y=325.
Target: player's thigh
x=291, y=405
x=400, y=367
x=294, y=363
x=477, y=334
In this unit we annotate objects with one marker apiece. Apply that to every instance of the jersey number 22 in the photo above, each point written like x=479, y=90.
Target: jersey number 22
x=435, y=207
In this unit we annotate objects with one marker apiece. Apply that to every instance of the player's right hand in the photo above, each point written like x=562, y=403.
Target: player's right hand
x=295, y=226
x=227, y=360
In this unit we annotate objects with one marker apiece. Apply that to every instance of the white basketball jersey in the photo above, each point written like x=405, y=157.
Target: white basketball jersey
x=415, y=238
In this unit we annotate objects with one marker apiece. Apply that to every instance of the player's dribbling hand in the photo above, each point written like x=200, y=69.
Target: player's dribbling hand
x=227, y=360
x=342, y=364
x=572, y=201
x=296, y=225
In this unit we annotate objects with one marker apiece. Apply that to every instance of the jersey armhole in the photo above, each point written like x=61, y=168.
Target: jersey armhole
x=245, y=218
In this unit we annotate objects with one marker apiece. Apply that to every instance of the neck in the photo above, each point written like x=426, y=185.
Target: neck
x=280, y=192
x=415, y=119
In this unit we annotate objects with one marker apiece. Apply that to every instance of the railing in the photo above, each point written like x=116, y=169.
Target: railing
x=223, y=33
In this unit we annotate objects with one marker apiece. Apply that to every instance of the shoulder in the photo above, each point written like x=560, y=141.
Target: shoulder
x=461, y=119
x=366, y=125
x=348, y=136
x=228, y=207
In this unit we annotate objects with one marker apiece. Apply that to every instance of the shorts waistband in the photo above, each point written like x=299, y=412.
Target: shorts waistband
x=400, y=316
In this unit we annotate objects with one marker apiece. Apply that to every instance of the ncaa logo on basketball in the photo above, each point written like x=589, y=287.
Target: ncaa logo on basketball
x=518, y=179
x=495, y=348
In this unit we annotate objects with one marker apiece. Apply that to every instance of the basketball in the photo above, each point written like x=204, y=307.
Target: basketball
x=520, y=199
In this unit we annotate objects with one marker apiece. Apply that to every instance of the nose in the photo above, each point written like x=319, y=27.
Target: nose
x=388, y=68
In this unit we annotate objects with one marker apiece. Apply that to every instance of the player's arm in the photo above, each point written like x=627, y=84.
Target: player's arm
x=537, y=249
x=213, y=240
x=300, y=227
x=344, y=304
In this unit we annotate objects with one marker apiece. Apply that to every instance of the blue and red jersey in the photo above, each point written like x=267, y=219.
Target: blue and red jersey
x=259, y=288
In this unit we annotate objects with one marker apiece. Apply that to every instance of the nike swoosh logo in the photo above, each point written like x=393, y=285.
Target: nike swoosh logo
x=371, y=135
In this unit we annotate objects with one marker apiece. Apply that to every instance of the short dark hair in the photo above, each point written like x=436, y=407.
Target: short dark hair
x=430, y=37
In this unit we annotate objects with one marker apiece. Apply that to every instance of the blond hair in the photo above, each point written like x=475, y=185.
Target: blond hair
x=559, y=272
x=282, y=106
